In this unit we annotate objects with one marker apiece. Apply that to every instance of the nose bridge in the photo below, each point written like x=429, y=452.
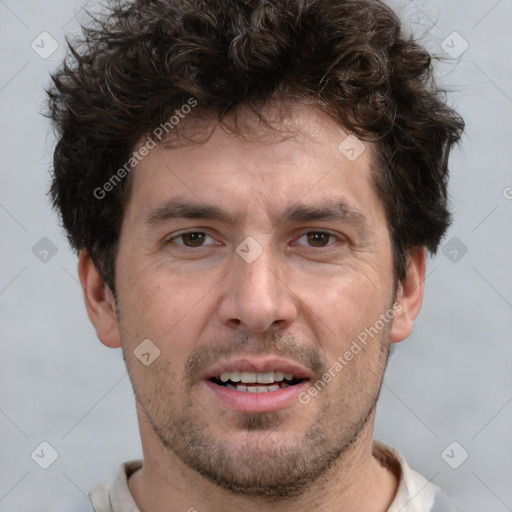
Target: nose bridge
x=256, y=296
x=259, y=275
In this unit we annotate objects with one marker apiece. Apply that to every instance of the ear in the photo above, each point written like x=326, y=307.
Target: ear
x=409, y=294
x=99, y=302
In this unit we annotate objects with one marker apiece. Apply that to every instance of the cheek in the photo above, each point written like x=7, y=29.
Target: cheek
x=342, y=305
x=171, y=312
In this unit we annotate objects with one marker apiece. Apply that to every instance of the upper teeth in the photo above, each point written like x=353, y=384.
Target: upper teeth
x=251, y=377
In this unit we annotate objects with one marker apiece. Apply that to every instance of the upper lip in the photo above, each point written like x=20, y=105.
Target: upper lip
x=257, y=365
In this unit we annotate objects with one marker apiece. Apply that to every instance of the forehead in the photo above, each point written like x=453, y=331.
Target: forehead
x=306, y=158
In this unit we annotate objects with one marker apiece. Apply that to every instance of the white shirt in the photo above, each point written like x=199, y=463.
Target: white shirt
x=414, y=494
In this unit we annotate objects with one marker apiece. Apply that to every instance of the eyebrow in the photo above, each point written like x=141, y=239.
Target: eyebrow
x=329, y=210
x=178, y=209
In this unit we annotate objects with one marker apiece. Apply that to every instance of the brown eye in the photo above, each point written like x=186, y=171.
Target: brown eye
x=193, y=239
x=318, y=238
x=187, y=240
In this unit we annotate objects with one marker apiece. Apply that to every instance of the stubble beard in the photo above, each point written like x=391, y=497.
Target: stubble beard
x=271, y=471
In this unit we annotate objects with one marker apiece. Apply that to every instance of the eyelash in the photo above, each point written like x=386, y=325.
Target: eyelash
x=180, y=235
x=331, y=235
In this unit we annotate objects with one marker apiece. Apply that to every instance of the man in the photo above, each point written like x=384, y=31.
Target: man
x=252, y=187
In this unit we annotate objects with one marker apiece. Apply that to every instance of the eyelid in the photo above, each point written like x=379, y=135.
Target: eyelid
x=173, y=236
x=337, y=237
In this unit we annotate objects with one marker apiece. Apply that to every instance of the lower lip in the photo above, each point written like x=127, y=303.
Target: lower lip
x=243, y=401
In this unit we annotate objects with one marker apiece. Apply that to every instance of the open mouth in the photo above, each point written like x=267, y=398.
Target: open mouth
x=251, y=382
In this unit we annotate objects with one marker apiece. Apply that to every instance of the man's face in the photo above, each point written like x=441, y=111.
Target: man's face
x=275, y=287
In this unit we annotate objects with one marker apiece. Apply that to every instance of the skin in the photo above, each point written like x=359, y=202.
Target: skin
x=305, y=298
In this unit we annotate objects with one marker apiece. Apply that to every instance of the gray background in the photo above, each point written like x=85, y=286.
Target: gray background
x=450, y=381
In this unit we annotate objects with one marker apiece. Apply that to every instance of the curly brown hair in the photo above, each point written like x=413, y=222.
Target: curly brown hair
x=137, y=64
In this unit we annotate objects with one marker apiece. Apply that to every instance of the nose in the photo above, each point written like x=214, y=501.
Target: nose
x=256, y=296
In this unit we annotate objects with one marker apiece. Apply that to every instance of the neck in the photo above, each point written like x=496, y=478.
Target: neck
x=356, y=481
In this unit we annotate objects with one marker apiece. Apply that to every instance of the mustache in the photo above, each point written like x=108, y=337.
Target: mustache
x=274, y=344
